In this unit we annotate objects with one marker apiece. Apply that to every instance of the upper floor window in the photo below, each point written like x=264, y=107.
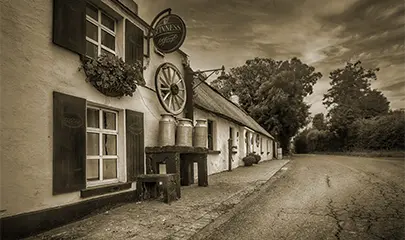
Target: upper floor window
x=100, y=32
x=91, y=30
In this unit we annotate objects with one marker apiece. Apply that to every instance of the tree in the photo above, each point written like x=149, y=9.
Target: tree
x=351, y=97
x=272, y=92
x=318, y=121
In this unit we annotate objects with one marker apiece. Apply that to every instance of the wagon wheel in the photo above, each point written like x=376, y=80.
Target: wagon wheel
x=170, y=88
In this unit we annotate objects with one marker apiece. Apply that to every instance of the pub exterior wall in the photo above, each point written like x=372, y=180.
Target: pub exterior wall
x=32, y=67
x=218, y=162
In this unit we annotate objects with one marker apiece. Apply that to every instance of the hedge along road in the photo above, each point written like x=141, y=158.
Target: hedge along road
x=326, y=197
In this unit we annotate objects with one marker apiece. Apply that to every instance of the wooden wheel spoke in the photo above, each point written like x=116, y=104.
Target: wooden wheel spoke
x=165, y=97
x=170, y=76
x=179, y=81
x=177, y=101
x=181, y=98
x=173, y=77
x=162, y=80
x=170, y=100
x=166, y=77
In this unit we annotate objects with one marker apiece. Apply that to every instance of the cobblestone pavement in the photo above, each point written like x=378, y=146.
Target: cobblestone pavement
x=198, y=207
x=326, y=197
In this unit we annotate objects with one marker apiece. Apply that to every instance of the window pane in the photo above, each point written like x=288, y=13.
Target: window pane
x=107, y=40
x=92, y=170
x=92, y=118
x=91, y=31
x=109, y=144
x=91, y=50
x=109, y=120
x=92, y=12
x=109, y=168
x=107, y=21
x=92, y=144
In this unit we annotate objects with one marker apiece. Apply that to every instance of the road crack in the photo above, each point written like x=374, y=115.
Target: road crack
x=334, y=215
x=328, y=180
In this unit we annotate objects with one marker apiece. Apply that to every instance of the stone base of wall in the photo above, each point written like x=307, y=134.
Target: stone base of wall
x=26, y=224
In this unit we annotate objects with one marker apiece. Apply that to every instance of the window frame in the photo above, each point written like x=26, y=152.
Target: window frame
x=100, y=28
x=101, y=131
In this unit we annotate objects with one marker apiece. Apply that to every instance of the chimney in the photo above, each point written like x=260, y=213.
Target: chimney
x=235, y=99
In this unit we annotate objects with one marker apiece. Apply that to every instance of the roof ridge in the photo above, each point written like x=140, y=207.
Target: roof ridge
x=239, y=108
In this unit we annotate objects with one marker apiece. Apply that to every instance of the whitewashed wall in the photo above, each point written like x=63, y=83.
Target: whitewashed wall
x=32, y=67
x=218, y=162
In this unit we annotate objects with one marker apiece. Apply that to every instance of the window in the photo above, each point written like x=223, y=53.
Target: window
x=231, y=133
x=100, y=32
x=102, y=145
x=210, y=135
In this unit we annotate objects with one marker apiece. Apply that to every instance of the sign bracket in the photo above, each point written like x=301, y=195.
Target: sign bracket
x=151, y=28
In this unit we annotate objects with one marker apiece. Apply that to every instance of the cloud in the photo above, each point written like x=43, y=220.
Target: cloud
x=325, y=34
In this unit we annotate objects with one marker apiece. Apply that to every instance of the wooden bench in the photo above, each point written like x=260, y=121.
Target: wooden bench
x=148, y=187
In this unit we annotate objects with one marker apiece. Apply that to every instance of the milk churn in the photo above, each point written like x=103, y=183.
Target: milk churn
x=184, y=132
x=167, y=130
x=200, y=133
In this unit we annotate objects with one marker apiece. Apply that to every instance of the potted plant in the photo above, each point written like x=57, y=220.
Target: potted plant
x=257, y=157
x=111, y=76
x=248, y=160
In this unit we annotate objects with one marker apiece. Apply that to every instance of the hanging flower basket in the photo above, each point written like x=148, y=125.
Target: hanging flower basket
x=113, y=77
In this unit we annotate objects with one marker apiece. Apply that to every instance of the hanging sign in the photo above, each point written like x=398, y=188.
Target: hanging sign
x=169, y=33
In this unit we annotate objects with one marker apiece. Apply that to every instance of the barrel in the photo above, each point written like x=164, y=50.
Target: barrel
x=167, y=130
x=184, y=133
x=200, y=133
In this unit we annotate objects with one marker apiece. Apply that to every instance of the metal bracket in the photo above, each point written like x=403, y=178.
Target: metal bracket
x=216, y=71
x=151, y=28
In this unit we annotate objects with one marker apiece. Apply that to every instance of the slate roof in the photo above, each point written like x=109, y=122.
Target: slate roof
x=209, y=99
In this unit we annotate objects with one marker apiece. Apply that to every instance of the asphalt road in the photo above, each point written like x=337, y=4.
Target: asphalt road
x=326, y=197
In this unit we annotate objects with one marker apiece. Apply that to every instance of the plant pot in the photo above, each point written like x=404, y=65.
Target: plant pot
x=109, y=93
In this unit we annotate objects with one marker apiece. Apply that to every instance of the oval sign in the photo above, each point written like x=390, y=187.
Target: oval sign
x=169, y=33
x=72, y=120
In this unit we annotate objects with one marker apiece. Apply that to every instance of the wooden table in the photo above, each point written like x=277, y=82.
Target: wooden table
x=173, y=156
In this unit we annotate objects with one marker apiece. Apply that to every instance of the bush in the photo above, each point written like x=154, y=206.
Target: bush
x=379, y=133
x=249, y=160
x=256, y=156
x=382, y=133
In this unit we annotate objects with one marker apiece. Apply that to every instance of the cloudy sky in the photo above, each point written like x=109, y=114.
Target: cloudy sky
x=323, y=33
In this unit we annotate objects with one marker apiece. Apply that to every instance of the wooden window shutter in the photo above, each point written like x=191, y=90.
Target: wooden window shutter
x=69, y=24
x=133, y=43
x=69, y=143
x=135, y=144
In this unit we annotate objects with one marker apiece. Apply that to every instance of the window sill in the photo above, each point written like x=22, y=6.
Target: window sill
x=100, y=190
x=214, y=152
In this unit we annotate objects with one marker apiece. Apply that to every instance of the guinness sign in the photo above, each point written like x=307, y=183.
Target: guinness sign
x=169, y=33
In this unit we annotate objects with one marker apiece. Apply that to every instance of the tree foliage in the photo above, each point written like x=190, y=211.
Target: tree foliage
x=351, y=97
x=273, y=93
x=318, y=122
